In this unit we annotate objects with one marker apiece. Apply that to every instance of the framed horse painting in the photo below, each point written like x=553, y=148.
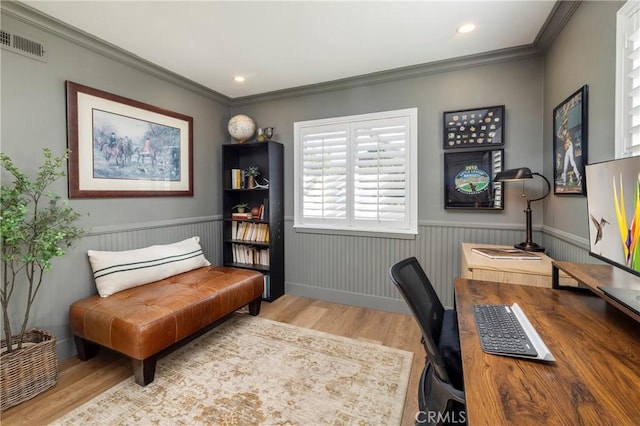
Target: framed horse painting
x=124, y=148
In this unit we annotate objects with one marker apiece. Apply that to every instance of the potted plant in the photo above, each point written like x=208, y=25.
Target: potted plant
x=35, y=226
x=240, y=208
x=251, y=173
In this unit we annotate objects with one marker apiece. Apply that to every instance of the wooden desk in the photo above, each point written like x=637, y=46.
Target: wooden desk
x=595, y=379
x=591, y=276
x=536, y=273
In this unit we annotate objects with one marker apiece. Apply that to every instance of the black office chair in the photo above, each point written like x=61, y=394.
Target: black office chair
x=440, y=393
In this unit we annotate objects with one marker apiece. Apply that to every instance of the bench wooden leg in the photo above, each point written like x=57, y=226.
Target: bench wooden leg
x=86, y=349
x=144, y=370
x=254, y=306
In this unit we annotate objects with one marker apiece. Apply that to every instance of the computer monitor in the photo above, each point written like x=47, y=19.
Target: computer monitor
x=613, y=205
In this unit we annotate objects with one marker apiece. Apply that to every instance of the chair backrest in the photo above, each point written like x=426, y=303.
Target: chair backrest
x=417, y=291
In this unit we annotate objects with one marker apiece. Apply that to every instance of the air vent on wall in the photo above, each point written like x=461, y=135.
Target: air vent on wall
x=22, y=45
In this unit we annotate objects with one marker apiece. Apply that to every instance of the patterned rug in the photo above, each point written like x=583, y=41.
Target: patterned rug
x=254, y=371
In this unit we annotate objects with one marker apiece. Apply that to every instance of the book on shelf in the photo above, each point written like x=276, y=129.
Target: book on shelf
x=250, y=255
x=505, y=253
x=249, y=231
x=234, y=230
x=242, y=216
x=236, y=178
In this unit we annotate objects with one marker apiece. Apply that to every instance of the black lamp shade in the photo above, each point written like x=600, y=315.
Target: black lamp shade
x=514, y=174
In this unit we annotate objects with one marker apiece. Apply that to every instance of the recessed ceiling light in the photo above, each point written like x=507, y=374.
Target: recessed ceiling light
x=238, y=79
x=466, y=28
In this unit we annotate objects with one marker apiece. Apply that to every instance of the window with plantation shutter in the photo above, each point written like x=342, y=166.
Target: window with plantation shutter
x=324, y=168
x=627, y=138
x=357, y=173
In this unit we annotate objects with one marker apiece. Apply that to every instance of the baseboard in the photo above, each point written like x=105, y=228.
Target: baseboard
x=386, y=304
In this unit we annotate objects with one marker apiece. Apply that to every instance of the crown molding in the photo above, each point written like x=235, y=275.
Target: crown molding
x=34, y=17
x=558, y=18
x=493, y=57
x=560, y=15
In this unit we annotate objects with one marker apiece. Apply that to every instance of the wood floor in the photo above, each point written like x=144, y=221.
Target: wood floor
x=80, y=381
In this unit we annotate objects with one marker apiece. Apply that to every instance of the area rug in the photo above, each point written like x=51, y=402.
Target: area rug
x=254, y=371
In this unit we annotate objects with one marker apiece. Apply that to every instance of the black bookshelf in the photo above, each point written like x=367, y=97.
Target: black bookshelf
x=268, y=157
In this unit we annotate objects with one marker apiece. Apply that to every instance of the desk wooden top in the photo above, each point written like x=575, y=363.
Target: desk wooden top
x=592, y=276
x=594, y=380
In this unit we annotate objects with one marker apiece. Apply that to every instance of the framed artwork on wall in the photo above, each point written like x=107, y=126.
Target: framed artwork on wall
x=124, y=148
x=474, y=128
x=468, y=180
x=570, y=144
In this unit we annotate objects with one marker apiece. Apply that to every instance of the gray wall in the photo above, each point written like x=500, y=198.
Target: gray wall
x=312, y=260
x=34, y=116
x=515, y=83
x=584, y=53
x=530, y=87
x=333, y=267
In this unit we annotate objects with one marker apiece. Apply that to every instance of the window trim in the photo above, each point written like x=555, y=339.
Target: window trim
x=411, y=174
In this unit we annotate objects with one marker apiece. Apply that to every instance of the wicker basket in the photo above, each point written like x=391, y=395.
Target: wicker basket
x=29, y=371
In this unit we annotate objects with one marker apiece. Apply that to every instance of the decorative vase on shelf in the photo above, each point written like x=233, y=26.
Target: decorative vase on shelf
x=268, y=133
x=251, y=182
x=251, y=173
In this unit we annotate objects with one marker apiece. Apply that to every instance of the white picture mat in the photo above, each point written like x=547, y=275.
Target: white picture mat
x=86, y=104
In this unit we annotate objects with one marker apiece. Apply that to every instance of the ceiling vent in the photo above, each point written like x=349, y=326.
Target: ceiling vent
x=23, y=45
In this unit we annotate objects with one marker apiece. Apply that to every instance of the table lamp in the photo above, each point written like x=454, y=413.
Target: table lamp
x=523, y=173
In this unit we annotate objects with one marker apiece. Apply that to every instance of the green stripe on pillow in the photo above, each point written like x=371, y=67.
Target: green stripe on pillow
x=145, y=263
x=142, y=265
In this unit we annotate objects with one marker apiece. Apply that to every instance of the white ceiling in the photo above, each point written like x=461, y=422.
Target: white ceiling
x=278, y=45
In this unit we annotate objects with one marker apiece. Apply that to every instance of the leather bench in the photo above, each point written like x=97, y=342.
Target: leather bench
x=142, y=321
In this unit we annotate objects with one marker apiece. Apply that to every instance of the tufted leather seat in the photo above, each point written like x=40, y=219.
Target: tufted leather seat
x=142, y=321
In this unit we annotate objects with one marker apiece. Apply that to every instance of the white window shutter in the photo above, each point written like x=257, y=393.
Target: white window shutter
x=324, y=170
x=380, y=160
x=357, y=173
x=628, y=81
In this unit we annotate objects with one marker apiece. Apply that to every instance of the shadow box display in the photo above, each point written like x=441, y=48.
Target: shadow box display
x=570, y=144
x=473, y=128
x=468, y=180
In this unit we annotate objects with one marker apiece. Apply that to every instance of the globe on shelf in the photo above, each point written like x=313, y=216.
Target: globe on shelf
x=241, y=127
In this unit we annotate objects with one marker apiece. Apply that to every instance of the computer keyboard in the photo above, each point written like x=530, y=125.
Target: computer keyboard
x=501, y=332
